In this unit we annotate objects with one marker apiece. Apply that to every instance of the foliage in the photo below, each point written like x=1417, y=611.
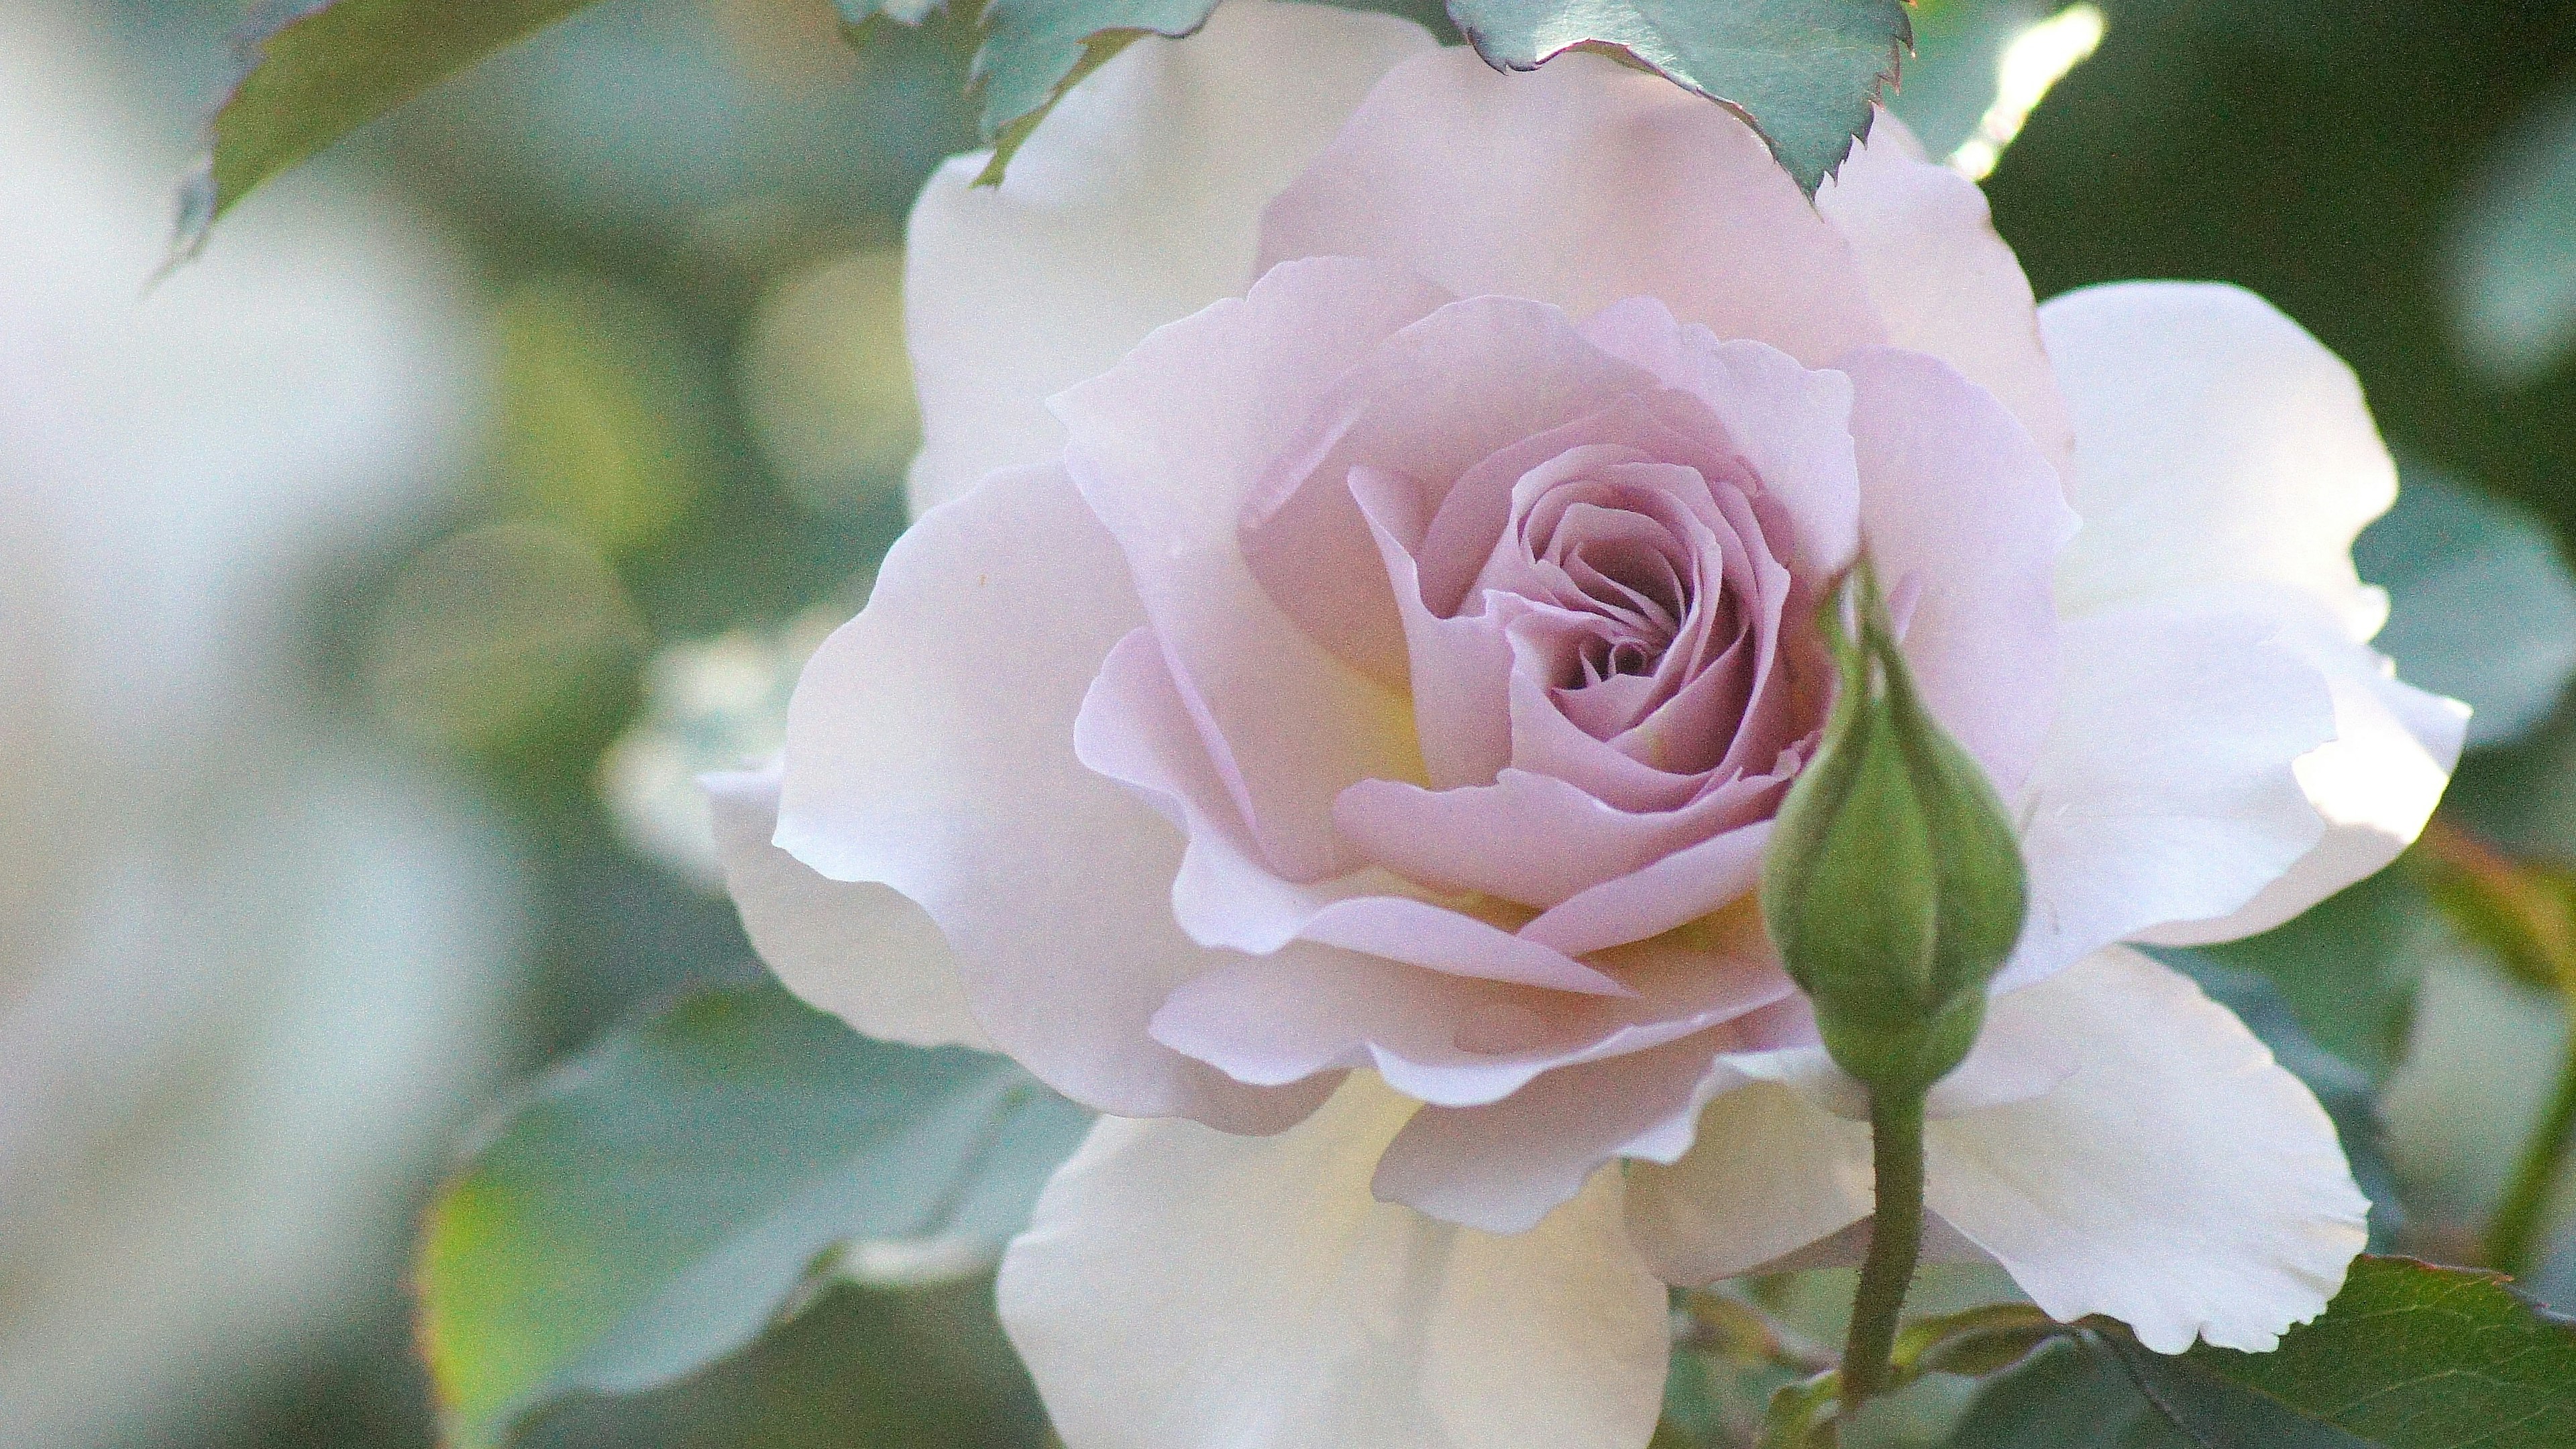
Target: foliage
x=312, y=71
x=660, y=1199
x=2406, y=1357
x=1804, y=73
x=2481, y=605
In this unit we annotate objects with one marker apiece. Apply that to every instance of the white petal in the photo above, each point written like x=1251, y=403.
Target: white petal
x=1942, y=279
x=2167, y=788
x=858, y=950
x=1770, y=1173
x=2375, y=783
x=1183, y=1289
x=2217, y=444
x=930, y=747
x=2179, y=1181
x=1132, y=205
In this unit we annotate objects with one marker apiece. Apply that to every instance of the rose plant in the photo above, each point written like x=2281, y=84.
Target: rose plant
x=1359, y=629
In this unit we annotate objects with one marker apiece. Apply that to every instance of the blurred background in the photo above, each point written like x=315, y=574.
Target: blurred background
x=371, y=589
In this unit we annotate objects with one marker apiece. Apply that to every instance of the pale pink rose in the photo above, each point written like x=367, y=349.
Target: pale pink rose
x=1359, y=631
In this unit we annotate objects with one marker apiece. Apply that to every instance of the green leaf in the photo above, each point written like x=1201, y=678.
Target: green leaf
x=2407, y=1356
x=2342, y=1088
x=1802, y=72
x=312, y=71
x=2071, y=1394
x=2481, y=605
x=1036, y=50
x=655, y=1204
x=914, y=1368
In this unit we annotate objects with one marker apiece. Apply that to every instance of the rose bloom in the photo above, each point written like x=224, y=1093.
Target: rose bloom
x=1359, y=629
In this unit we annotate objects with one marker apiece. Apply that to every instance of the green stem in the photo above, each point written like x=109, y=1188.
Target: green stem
x=2515, y=1230
x=1895, y=1240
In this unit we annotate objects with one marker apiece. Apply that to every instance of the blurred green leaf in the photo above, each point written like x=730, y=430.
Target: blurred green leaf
x=2407, y=1356
x=2348, y=966
x=2512, y=259
x=657, y=1202
x=2481, y=604
x=603, y=426
x=919, y=1368
x=512, y=639
x=1803, y=72
x=2342, y=1088
x=312, y=71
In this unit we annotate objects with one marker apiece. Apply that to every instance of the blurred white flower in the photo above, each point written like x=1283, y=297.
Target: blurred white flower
x=709, y=705
x=249, y=970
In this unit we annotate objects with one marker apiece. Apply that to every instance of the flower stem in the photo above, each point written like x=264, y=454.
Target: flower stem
x=1895, y=1241
x=2515, y=1230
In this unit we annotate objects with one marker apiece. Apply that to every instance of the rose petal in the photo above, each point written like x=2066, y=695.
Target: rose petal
x=1448, y=392
x=2179, y=1181
x=1133, y=205
x=1681, y=887
x=1502, y=1166
x=1527, y=838
x=1943, y=280
x=1580, y=183
x=1770, y=1173
x=858, y=950
x=1180, y=1288
x=1958, y=503
x=2375, y=783
x=1134, y=729
x=1166, y=445
x=930, y=747
x=1792, y=423
x=2167, y=789
x=2217, y=444
x=1448, y=1040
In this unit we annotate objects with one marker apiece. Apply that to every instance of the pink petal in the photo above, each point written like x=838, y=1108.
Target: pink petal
x=1945, y=282
x=930, y=747
x=1960, y=506
x=1438, y=398
x=1165, y=447
x=1134, y=729
x=1792, y=424
x=1446, y=1039
x=1579, y=184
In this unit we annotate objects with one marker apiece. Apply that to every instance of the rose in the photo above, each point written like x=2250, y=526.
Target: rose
x=1354, y=711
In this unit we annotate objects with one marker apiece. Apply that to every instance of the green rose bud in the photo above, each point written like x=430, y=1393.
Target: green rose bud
x=1893, y=886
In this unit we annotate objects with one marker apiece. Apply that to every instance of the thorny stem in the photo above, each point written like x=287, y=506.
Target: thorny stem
x=2515, y=1229
x=1895, y=1241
